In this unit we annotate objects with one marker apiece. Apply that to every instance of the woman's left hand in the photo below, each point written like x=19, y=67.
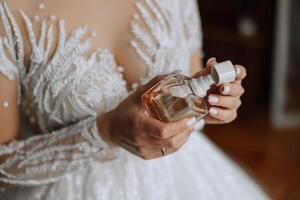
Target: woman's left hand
x=224, y=100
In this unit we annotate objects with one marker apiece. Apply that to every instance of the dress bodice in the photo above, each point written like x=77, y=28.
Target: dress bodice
x=68, y=86
x=65, y=88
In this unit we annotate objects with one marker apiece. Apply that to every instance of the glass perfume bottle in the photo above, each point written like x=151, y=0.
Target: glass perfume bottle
x=177, y=96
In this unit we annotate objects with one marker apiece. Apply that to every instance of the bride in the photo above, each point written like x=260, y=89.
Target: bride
x=71, y=121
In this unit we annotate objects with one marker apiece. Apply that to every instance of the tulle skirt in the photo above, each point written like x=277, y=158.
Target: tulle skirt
x=198, y=171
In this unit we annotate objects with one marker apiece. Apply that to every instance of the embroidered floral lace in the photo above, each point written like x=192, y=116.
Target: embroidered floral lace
x=66, y=92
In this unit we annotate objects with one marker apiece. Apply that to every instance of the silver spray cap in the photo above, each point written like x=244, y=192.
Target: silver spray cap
x=221, y=73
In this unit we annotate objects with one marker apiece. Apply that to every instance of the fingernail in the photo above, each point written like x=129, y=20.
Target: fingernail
x=191, y=122
x=226, y=89
x=237, y=70
x=213, y=111
x=213, y=99
x=199, y=125
x=210, y=60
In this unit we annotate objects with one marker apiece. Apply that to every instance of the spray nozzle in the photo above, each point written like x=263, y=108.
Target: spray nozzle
x=221, y=73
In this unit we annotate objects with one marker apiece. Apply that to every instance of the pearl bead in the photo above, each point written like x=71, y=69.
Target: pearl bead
x=36, y=18
x=5, y=104
x=120, y=69
x=41, y=6
x=52, y=17
x=135, y=86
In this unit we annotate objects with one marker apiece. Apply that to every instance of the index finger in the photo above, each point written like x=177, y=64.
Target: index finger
x=162, y=130
x=210, y=63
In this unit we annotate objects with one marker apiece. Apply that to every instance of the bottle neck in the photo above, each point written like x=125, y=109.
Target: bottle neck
x=220, y=73
x=201, y=85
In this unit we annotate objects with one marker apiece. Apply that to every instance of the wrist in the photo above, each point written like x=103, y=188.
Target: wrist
x=103, y=124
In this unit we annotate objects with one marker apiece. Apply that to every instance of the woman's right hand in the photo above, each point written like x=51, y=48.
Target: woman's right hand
x=129, y=127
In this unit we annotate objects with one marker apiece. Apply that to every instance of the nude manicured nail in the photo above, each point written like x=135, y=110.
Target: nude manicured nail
x=191, y=122
x=213, y=99
x=213, y=111
x=226, y=89
x=210, y=60
x=237, y=70
x=199, y=125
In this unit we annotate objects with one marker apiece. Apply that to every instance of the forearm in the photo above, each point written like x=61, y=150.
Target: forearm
x=46, y=158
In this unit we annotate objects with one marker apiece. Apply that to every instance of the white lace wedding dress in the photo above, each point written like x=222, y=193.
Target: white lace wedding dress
x=64, y=93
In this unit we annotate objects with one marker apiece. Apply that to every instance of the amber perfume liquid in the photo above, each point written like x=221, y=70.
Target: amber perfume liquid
x=172, y=99
x=176, y=96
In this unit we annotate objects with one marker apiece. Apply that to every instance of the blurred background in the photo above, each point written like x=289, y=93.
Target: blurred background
x=264, y=36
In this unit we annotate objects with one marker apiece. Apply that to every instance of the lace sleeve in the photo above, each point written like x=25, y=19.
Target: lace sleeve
x=46, y=158
x=63, y=90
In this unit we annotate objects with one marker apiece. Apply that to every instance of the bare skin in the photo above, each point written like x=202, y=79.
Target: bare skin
x=99, y=15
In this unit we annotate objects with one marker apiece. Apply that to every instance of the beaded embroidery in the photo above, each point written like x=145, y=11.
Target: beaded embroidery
x=5, y=104
x=68, y=90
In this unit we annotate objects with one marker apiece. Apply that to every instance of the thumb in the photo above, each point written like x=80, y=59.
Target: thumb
x=210, y=63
